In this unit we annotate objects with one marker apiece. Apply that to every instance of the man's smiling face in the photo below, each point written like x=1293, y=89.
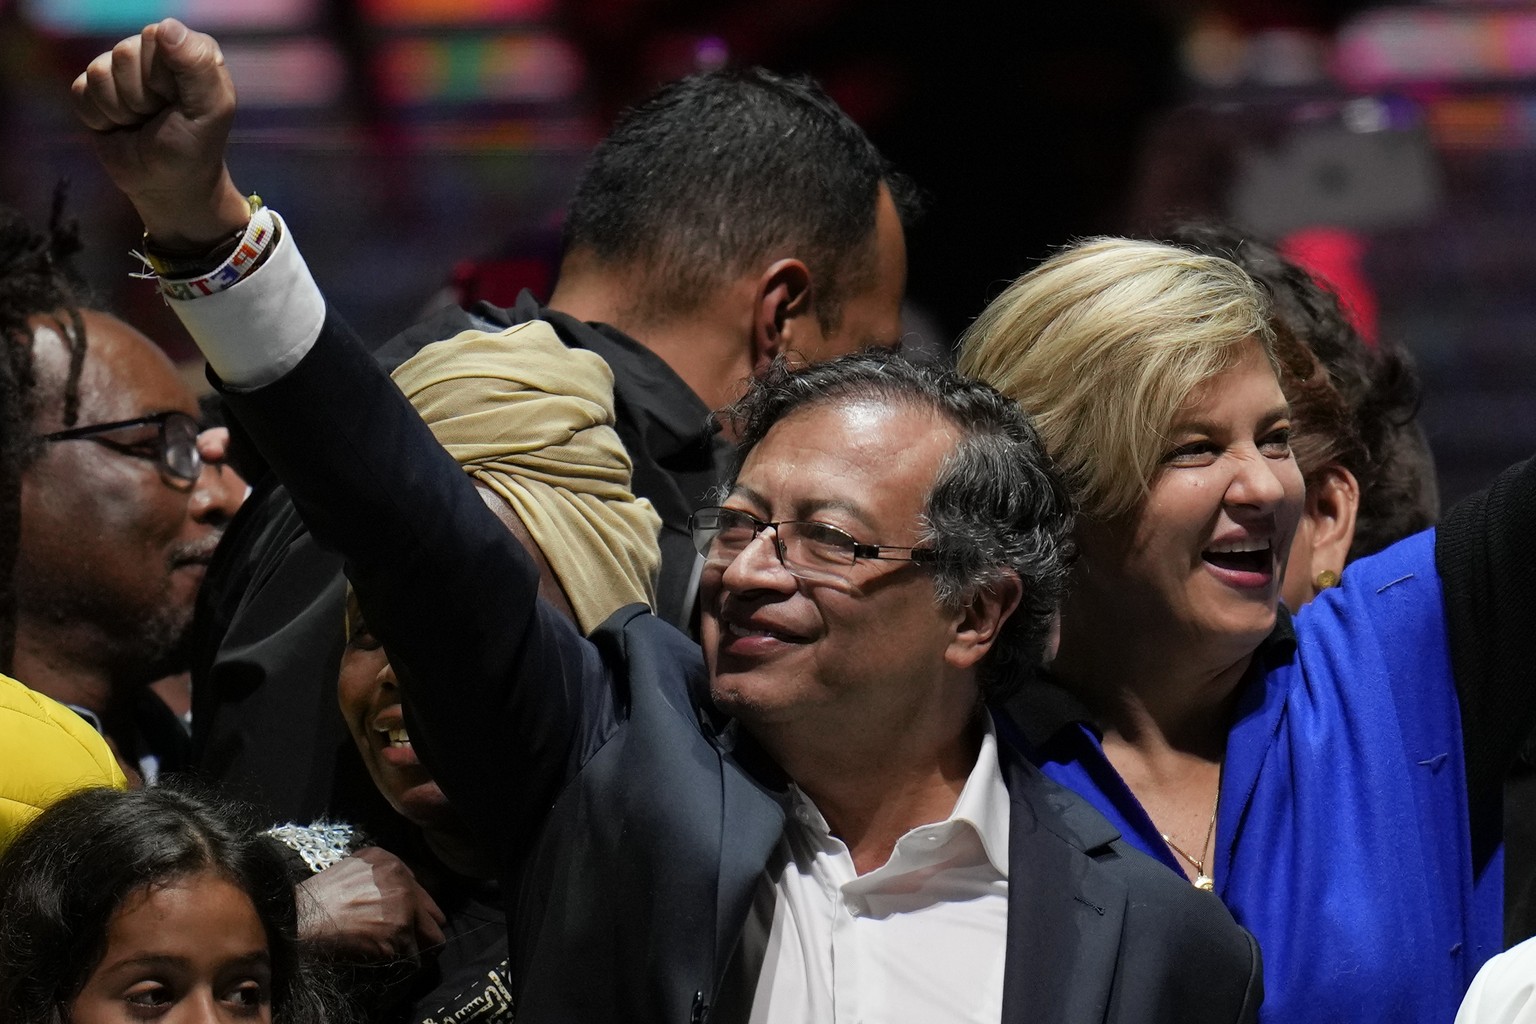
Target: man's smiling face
x=785, y=651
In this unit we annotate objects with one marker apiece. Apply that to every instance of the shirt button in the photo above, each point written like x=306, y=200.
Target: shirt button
x=804, y=814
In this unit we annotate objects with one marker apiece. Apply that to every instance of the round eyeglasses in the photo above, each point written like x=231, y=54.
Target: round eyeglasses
x=808, y=550
x=173, y=446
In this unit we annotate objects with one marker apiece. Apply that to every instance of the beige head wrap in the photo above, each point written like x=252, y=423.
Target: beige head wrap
x=533, y=420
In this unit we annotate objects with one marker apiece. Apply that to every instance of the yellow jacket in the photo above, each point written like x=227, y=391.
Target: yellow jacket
x=46, y=752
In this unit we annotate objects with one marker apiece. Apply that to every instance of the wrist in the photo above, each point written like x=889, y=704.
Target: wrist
x=177, y=222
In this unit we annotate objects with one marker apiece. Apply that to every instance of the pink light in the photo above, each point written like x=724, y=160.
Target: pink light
x=456, y=12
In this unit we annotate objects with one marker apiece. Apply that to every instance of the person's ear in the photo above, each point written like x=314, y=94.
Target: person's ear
x=1333, y=503
x=782, y=303
x=980, y=622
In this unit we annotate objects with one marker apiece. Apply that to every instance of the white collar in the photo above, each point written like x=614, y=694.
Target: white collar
x=983, y=806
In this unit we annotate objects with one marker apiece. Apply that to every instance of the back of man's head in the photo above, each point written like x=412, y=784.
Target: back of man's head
x=721, y=171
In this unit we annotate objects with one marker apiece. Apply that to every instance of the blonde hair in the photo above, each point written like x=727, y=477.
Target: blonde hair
x=1103, y=343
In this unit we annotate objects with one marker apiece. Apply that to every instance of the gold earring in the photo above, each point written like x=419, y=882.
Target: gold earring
x=1325, y=579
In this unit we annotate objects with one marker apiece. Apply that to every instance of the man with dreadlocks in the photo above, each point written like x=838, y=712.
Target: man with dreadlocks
x=109, y=512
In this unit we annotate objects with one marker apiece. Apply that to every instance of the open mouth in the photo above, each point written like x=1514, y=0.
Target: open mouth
x=394, y=737
x=1241, y=556
x=394, y=744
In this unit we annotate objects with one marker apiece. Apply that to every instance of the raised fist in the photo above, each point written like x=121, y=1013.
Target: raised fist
x=159, y=106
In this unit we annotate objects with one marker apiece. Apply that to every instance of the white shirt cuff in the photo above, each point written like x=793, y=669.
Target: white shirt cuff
x=258, y=329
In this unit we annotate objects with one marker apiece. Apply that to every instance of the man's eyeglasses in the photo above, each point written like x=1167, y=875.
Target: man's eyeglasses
x=173, y=447
x=809, y=550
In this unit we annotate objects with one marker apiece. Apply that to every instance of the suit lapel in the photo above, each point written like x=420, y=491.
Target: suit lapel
x=1065, y=911
x=752, y=823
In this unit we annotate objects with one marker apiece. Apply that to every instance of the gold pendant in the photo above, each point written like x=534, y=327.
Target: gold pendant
x=1206, y=882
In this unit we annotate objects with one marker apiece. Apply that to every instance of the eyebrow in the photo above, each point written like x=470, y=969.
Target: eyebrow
x=255, y=958
x=818, y=505
x=1279, y=412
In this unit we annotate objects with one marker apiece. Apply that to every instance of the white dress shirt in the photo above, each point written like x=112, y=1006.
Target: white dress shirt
x=919, y=939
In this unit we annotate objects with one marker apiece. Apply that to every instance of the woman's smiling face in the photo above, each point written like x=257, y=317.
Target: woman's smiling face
x=1201, y=558
x=369, y=696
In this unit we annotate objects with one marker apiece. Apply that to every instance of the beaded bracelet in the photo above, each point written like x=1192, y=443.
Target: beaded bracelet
x=249, y=253
x=187, y=263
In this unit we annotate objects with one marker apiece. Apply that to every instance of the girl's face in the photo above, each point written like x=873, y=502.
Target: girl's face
x=188, y=951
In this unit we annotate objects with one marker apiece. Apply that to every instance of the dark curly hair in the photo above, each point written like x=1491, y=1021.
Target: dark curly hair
x=1351, y=403
x=36, y=279
x=998, y=505
x=76, y=863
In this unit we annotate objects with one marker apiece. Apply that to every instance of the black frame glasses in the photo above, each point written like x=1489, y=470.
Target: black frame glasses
x=174, y=448
x=807, y=549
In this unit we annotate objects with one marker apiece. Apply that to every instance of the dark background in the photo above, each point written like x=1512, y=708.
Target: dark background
x=412, y=143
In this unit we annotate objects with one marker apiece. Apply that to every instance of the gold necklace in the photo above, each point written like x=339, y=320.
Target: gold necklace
x=1202, y=880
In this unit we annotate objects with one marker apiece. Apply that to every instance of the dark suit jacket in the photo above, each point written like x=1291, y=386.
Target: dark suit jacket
x=266, y=644
x=635, y=823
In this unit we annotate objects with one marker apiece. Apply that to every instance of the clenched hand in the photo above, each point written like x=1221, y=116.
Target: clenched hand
x=159, y=106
